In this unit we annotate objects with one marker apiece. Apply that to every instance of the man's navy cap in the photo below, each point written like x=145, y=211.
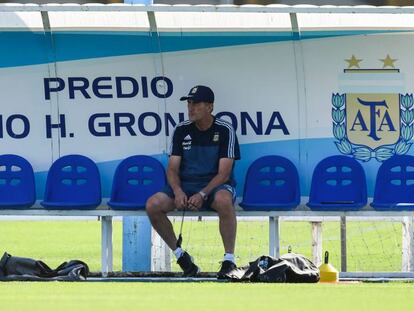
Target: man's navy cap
x=200, y=93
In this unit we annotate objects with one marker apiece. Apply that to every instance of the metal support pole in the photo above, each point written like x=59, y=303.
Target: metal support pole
x=274, y=238
x=317, y=242
x=161, y=254
x=407, y=245
x=136, y=244
x=106, y=251
x=50, y=49
x=343, y=245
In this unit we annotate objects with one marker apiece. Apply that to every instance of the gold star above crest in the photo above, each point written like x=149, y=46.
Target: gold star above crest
x=353, y=62
x=388, y=62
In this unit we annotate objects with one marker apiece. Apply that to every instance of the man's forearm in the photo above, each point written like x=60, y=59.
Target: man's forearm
x=215, y=182
x=174, y=181
x=223, y=175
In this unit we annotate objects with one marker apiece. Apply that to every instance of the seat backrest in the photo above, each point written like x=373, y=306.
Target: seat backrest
x=338, y=180
x=17, y=185
x=395, y=180
x=137, y=178
x=73, y=178
x=272, y=179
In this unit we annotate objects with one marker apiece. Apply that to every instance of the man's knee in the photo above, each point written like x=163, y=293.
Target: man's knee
x=155, y=204
x=223, y=201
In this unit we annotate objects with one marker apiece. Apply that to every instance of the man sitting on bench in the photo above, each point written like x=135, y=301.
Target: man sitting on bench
x=200, y=176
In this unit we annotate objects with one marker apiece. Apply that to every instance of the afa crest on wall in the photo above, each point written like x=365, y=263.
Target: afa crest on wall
x=372, y=118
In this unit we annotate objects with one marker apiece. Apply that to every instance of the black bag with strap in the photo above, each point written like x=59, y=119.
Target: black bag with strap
x=26, y=269
x=289, y=268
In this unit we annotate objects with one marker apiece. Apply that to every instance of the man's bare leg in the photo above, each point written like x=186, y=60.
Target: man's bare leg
x=158, y=206
x=223, y=204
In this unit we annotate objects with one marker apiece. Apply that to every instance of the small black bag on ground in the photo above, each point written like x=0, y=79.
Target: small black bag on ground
x=289, y=268
x=26, y=269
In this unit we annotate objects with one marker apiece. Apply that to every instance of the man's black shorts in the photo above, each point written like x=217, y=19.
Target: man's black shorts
x=191, y=188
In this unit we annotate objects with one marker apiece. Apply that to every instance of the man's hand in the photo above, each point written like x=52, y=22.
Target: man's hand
x=195, y=202
x=180, y=200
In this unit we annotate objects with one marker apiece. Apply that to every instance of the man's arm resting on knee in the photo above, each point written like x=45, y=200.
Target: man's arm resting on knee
x=223, y=175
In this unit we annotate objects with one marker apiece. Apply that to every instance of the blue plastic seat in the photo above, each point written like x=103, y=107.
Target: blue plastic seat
x=272, y=183
x=338, y=184
x=136, y=179
x=394, y=187
x=73, y=182
x=17, y=185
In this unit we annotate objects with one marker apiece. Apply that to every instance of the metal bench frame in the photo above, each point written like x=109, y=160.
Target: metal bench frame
x=316, y=218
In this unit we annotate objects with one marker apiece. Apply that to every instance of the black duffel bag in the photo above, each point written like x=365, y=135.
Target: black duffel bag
x=26, y=269
x=289, y=268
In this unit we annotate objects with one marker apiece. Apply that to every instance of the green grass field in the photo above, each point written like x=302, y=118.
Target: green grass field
x=372, y=246
x=204, y=296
